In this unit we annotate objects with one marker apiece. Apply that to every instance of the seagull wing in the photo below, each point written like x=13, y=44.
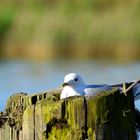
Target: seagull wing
x=93, y=90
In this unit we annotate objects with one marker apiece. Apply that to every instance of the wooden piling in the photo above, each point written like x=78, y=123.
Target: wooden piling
x=108, y=116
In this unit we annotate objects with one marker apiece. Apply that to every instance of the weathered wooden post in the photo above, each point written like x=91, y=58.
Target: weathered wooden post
x=111, y=117
x=108, y=116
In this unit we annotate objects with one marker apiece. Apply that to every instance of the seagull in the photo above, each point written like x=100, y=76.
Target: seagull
x=75, y=86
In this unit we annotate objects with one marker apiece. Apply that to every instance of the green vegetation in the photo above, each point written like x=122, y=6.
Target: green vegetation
x=96, y=28
x=6, y=18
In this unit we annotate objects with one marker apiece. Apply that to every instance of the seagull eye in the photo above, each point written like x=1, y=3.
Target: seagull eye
x=76, y=79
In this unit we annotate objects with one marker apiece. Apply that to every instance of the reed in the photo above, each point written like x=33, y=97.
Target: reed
x=97, y=29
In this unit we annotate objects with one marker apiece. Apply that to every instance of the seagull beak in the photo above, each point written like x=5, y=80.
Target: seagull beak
x=65, y=84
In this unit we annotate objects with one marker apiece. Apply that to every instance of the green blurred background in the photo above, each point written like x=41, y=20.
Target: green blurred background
x=75, y=29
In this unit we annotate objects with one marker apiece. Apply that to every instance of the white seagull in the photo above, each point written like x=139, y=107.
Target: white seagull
x=74, y=86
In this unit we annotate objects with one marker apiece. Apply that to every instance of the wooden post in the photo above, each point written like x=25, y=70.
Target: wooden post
x=108, y=116
x=111, y=117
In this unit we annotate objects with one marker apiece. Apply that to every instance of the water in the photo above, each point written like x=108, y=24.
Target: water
x=33, y=77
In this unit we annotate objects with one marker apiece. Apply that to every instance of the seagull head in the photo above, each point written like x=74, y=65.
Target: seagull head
x=73, y=80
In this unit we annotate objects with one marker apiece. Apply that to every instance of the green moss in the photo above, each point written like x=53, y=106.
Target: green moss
x=29, y=111
x=64, y=118
x=26, y=101
x=14, y=110
x=91, y=134
x=75, y=112
x=73, y=118
x=114, y=111
x=65, y=134
x=51, y=110
x=53, y=96
x=14, y=101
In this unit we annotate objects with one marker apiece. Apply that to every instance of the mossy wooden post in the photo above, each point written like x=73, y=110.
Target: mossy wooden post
x=108, y=116
x=111, y=117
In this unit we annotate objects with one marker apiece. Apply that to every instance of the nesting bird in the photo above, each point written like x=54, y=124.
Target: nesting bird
x=75, y=86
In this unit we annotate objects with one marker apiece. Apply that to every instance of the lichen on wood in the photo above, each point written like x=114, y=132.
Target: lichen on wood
x=43, y=116
x=111, y=116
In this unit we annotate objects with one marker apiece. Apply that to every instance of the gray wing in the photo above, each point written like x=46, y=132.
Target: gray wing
x=93, y=90
x=136, y=91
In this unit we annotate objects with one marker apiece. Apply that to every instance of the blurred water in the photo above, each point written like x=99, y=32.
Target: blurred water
x=32, y=77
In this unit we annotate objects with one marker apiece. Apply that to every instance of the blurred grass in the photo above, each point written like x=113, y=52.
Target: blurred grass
x=6, y=18
x=70, y=29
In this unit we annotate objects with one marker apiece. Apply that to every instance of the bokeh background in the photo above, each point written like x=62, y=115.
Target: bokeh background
x=42, y=40
x=79, y=29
